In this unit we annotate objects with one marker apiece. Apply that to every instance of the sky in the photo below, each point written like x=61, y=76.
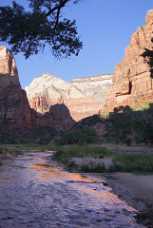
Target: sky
x=105, y=28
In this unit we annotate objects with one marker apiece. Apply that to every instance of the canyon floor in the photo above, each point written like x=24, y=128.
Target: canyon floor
x=36, y=192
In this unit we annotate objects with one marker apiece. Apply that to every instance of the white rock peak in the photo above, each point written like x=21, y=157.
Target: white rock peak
x=82, y=96
x=80, y=87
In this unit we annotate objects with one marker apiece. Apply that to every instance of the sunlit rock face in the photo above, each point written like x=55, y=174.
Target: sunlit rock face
x=133, y=77
x=7, y=63
x=17, y=119
x=7, y=69
x=83, y=97
x=15, y=112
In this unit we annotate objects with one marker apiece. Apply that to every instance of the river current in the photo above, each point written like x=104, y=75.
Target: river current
x=36, y=193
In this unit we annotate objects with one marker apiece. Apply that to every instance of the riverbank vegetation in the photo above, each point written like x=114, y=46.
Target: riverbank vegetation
x=101, y=159
x=12, y=150
x=89, y=157
x=82, y=135
x=130, y=127
x=82, y=157
x=96, y=159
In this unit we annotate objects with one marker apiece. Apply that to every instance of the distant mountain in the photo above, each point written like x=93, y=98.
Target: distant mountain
x=83, y=96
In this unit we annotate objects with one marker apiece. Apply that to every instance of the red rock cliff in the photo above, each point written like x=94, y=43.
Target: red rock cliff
x=15, y=113
x=133, y=78
x=16, y=116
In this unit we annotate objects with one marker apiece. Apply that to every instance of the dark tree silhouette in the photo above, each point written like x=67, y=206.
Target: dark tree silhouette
x=29, y=30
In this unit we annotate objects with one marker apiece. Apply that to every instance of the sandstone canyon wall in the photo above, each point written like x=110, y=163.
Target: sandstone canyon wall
x=83, y=97
x=133, y=78
x=18, y=121
x=15, y=112
x=17, y=118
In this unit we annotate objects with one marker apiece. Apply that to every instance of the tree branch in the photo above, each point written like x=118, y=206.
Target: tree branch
x=62, y=3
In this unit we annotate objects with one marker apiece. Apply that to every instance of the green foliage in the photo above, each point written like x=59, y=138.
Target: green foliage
x=133, y=163
x=14, y=149
x=97, y=168
x=29, y=31
x=4, y=150
x=89, y=121
x=120, y=162
x=148, y=55
x=66, y=153
x=42, y=135
x=130, y=127
x=78, y=136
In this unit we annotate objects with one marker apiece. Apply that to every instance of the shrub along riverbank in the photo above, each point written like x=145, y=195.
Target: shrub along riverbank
x=12, y=150
x=89, y=158
x=101, y=159
x=105, y=159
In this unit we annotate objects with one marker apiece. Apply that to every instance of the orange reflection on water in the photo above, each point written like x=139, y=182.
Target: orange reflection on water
x=85, y=184
x=51, y=173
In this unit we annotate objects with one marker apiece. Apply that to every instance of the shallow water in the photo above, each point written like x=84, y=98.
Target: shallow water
x=35, y=193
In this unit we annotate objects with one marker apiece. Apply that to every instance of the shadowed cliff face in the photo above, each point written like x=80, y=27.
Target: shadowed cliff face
x=58, y=117
x=17, y=119
x=56, y=103
x=84, y=97
x=15, y=112
x=132, y=80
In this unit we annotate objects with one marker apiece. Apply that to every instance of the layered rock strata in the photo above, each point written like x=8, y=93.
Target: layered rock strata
x=83, y=97
x=15, y=112
x=133, y=77
x=17, y=118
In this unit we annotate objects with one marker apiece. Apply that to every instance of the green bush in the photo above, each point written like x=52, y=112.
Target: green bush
x=120, y=162
x=41, y=135
x=78, y=136
x=130, y=127
x=92, y=168
x=66, y=153
x=133, y=163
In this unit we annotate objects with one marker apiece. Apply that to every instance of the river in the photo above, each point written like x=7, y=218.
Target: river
x=36, y=193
